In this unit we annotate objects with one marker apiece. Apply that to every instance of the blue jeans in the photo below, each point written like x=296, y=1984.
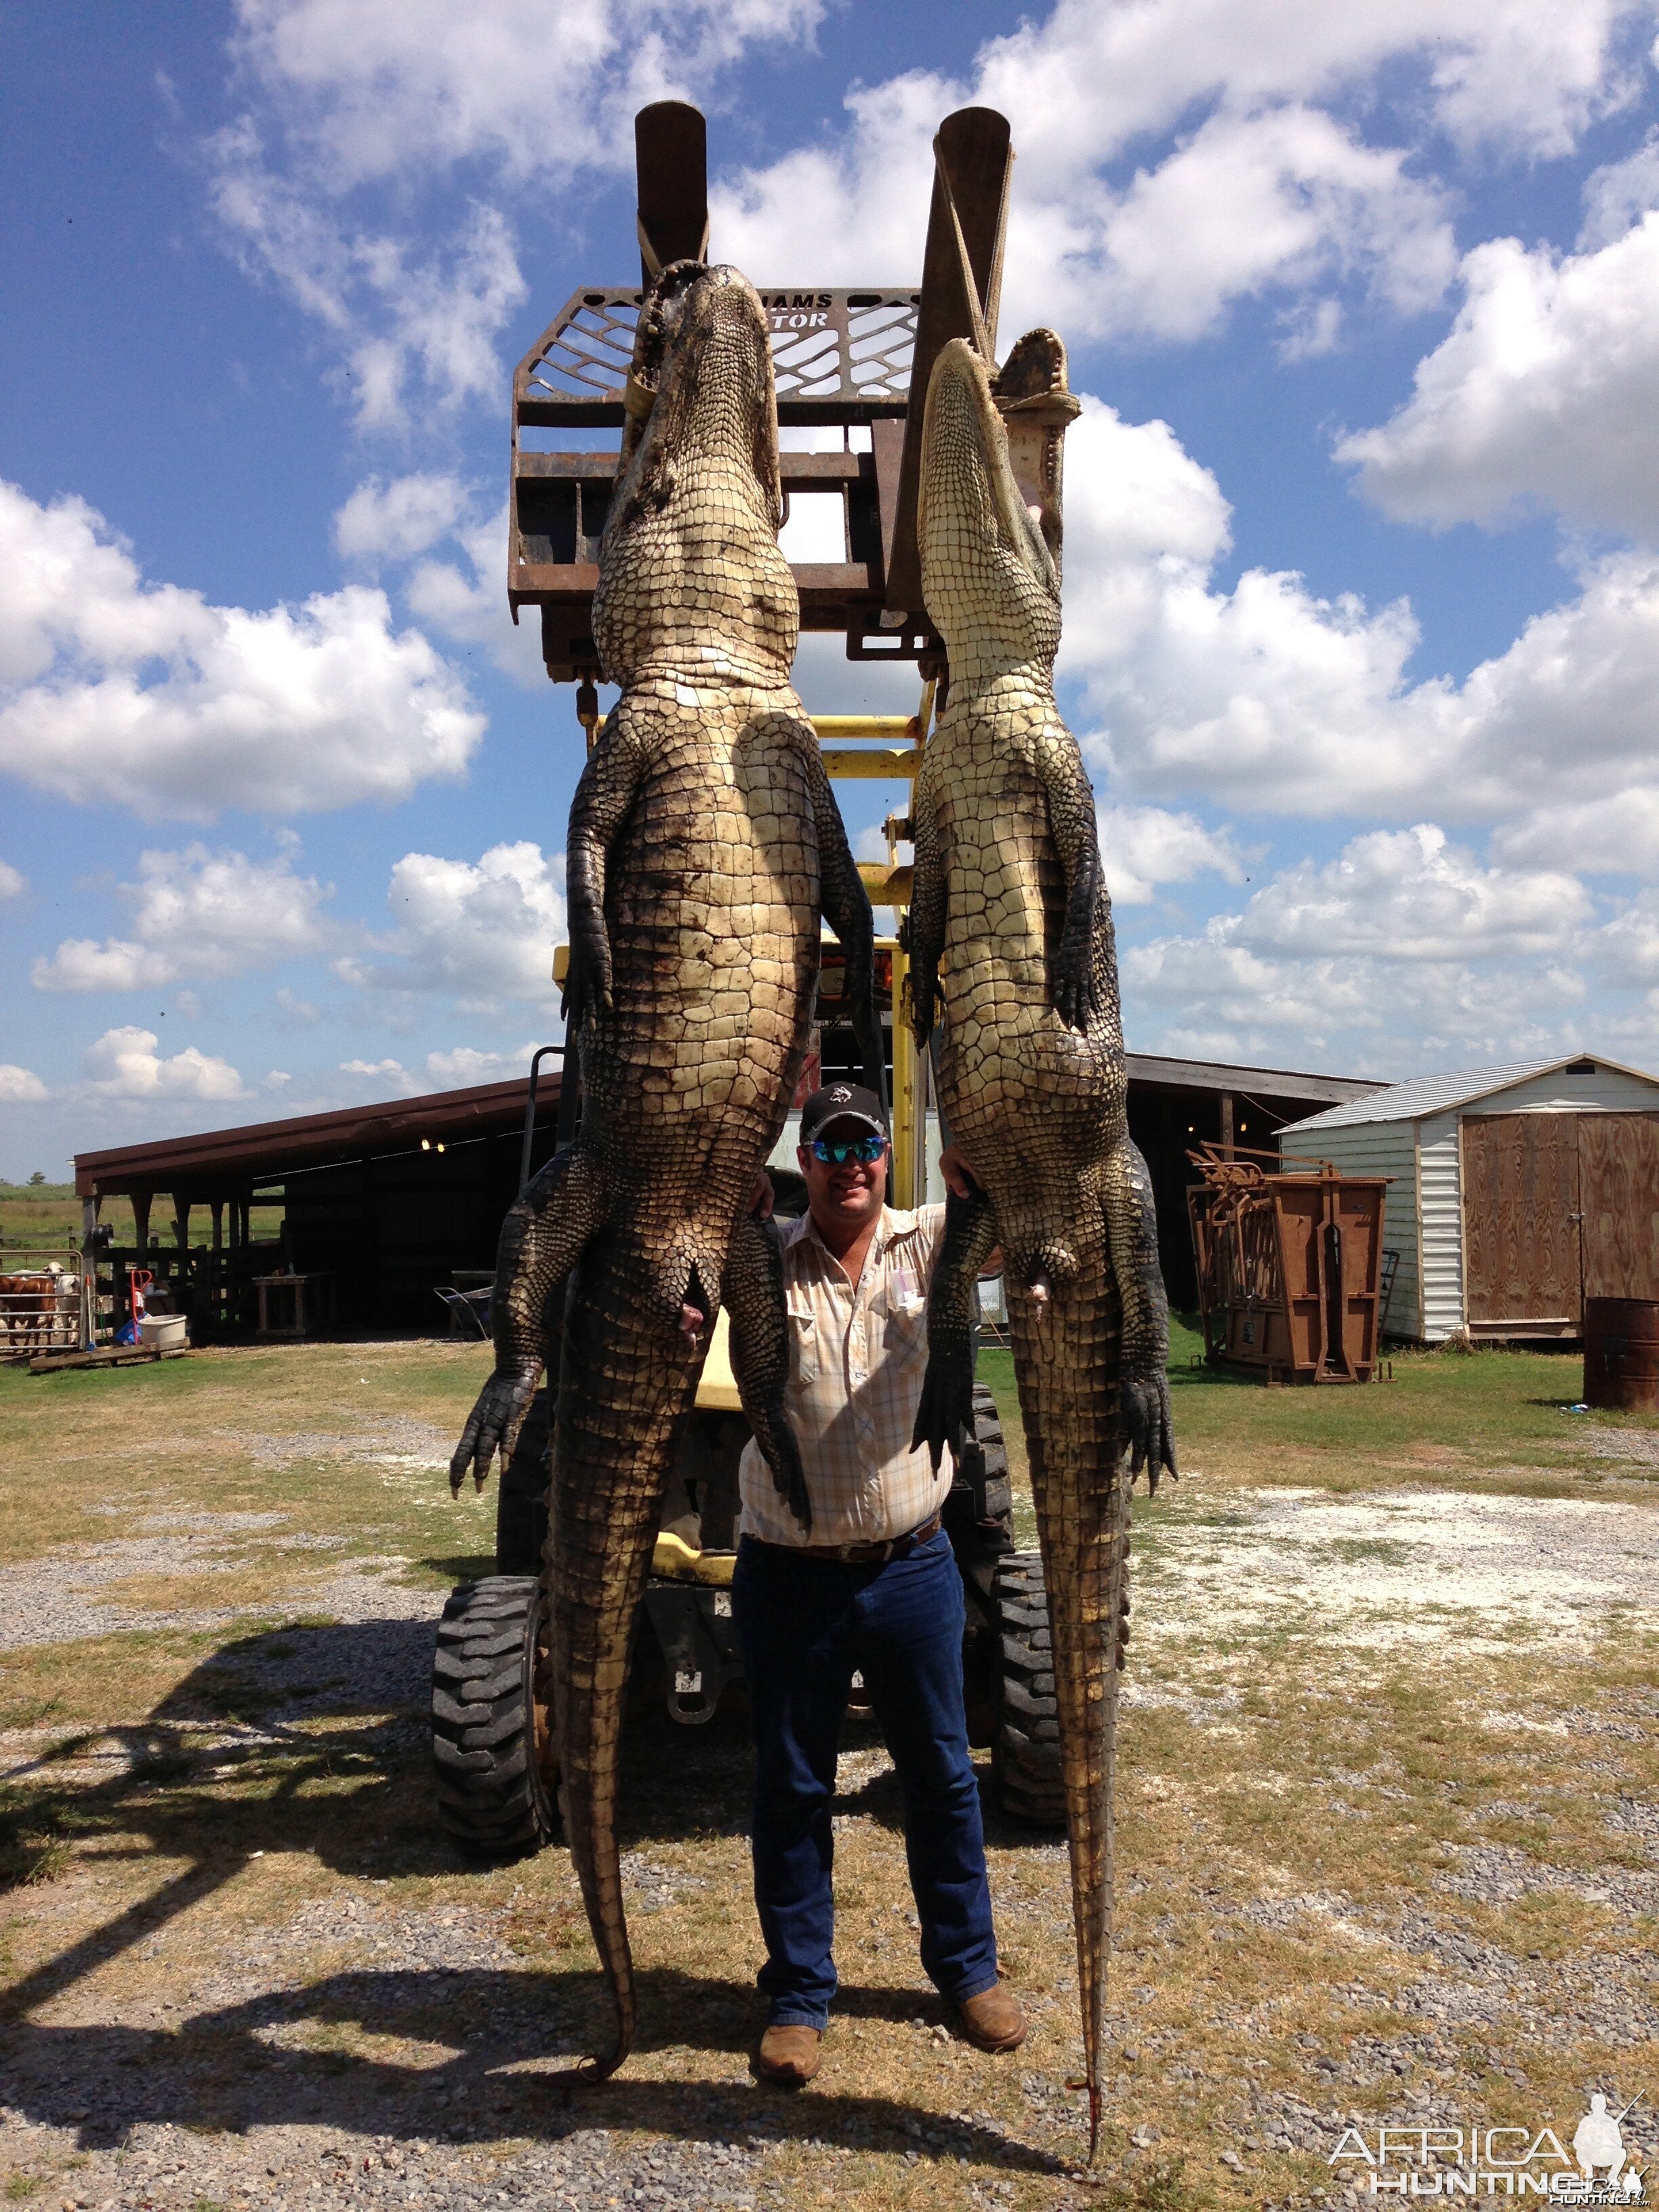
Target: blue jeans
x=804, y=1626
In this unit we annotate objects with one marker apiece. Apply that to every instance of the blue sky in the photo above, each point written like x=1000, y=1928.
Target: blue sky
x=1362, y=611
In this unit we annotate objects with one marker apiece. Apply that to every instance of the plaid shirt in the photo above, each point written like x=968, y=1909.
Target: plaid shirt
x=855, y=1370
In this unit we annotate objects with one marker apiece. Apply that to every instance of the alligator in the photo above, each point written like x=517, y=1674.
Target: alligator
x=1012, y=954
x=704, y=849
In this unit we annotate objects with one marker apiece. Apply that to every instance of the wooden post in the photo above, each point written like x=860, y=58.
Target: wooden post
x=89, y=1276
x=140, y=1223
x=1227, y=1124
x=974, y=161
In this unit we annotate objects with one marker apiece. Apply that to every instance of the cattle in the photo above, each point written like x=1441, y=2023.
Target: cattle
x=39, y=1310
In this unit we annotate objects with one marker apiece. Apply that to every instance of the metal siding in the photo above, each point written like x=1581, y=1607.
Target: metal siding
x=1378, y=1148
x=1608, y=1090
x=1441, y=1206
x=1528, y=1083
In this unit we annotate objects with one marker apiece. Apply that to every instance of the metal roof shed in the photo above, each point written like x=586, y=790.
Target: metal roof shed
x=1517, y=1192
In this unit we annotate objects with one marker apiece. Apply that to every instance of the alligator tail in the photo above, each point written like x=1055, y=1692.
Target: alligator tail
x=1063, y=1360
x=627, y=1379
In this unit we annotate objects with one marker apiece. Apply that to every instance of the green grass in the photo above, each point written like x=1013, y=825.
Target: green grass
x=46, y=1217
x=1444, y=1418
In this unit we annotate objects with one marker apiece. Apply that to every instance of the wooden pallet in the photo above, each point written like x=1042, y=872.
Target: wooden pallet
x=119, y=1355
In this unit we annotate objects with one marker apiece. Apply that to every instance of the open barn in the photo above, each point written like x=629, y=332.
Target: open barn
x=1515, y=1193
x=385, y=1204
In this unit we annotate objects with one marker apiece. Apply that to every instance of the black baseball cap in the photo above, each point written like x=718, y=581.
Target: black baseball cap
x=841, y=1102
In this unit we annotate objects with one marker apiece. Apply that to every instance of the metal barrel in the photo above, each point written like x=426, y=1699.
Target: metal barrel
x=1621, y=1354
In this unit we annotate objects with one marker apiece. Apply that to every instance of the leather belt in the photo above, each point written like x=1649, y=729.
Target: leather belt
x=865, y=1555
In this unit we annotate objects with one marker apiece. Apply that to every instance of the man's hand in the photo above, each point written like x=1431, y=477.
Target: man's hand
x=761, y=1197
x=958, y=1176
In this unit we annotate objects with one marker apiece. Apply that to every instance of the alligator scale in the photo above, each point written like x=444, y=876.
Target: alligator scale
x=704, y=848
x=1012, y=954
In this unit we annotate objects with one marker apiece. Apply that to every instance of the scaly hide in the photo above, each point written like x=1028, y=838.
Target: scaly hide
x=704, y=846
x=1012, y=949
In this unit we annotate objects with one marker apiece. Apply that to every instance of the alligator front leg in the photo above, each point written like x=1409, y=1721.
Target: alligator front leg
x=926, y=919
x=1075, y=976
x=945, y=1413
x=609, y=785
x=846, y=908
x=1132, y=1241
x=753, y=1290
x=542, y=1238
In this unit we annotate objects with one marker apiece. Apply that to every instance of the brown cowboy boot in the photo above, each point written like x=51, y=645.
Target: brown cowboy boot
x=790, y=2054
x=993, y=2019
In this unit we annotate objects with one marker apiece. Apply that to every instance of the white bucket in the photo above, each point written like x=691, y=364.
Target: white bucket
x=163, y=1332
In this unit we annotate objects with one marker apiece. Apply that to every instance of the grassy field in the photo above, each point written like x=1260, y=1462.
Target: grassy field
x=46, y=1217
x=1389, y=1811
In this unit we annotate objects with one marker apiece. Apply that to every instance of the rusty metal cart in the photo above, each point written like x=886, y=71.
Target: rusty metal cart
x=1290, y=1259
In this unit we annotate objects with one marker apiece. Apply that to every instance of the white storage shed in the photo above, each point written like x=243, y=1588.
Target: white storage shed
x=1516, y=1192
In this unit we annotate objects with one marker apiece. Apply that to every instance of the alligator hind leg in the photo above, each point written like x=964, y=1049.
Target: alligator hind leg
x=1132, y=1240
x=542, y=1239
x=945, y=1413
x=755, y=1304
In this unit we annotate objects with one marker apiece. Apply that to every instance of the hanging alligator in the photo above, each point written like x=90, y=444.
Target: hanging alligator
x=1013, y=954
x=704, y=846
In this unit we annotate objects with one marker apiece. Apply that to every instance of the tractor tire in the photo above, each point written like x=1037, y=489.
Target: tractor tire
x=496, y=1774
x=1025, y=1752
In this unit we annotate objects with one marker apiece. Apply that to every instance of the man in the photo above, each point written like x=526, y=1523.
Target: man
x=873, y=1586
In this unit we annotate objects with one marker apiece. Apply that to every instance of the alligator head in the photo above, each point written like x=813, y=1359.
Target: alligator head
x=690, y=570
x=988, y=514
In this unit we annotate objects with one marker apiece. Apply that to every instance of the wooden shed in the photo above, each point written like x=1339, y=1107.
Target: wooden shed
x=1516, y=1193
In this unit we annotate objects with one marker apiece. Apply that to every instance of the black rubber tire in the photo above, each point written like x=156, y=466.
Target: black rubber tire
x=496, y=1795
x=1025, y=1752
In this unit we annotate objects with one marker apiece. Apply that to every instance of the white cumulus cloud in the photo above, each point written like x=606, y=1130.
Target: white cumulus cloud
x=1269, y=697
x=466, y=1064
x=1142, y=847
x=12, y=884
x=1540, y=396
x=197, y=912
x=482, y=931
x=116, y=690
x=396, y=520
x=355, y=106
x=1263, y=188
x=19, y=1086
x=124, y=1063
x=1402, y=949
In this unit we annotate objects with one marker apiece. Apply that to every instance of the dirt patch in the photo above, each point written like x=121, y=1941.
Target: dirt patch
x=1375, y=1859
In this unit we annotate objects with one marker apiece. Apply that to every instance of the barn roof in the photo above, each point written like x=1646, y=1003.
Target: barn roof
x=1435, y=1094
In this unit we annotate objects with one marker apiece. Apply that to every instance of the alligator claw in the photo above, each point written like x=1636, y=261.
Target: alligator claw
x=1071, y=986
x=493, y=1425
x=1147, y=1422
x=945, y=1413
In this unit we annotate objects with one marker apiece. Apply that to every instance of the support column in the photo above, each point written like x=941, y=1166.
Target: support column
x=1227, y=1124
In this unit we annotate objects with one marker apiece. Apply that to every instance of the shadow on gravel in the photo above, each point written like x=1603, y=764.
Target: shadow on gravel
x=248, y=2065
x=354, y=1793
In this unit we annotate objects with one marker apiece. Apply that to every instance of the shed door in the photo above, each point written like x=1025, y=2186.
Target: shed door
x=1521, y=1217
x=1619, y=1191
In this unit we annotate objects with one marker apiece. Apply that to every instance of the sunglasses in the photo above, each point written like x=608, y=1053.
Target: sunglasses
x=866, y=1150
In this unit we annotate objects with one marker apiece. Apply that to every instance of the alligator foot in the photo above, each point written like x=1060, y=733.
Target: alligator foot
x=1147, y=1426
x=945, y=1413
x=754, y=1294
x=494, y=1423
